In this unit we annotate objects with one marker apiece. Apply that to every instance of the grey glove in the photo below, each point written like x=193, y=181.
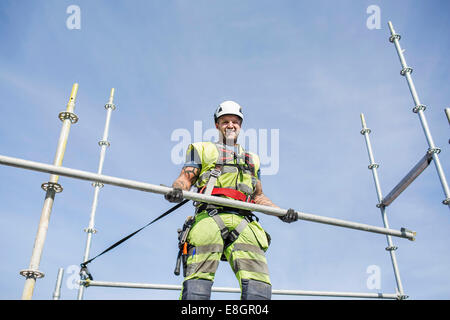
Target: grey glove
x=176, y=195
x=290, y=216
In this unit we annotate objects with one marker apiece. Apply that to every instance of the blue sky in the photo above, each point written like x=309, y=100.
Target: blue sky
x=306, y=69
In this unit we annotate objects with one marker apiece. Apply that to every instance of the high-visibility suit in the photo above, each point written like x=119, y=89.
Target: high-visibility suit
x=207, y=239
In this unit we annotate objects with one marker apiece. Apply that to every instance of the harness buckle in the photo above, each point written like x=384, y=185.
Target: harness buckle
x=232, y=236
x=215, y=173
x=213, y=212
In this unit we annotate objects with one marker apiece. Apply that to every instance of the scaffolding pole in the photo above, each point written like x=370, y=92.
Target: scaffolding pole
x=147, y=187
x=51, y=188
x=57, y=292
x=373, y=166
x=408, y=179
x=132, y=285
x=104, y=144
x=419, y=109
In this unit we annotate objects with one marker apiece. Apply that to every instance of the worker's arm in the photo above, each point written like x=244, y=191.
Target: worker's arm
x=185, y=180
x=260, y=198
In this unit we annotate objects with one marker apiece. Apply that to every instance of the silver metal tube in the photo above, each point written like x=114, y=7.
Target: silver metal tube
x=406, y=71
x=408, y=179
x=104, y=144
x=373, y=166
x=132, y=285
x=147, y=187
x=32, y=273
x=57, y=292
x=447, y=113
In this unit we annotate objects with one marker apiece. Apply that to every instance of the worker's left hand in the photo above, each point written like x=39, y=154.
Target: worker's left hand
x=290, y=216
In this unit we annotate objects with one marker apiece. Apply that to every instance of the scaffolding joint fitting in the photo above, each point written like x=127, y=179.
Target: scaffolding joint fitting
x=373, y=165
x=64, y=115
x=393, y=37
x=97, y=184
x=90, y=230
x=111, y=106
x=418, y=108
x=391, y=248
x=52, y=186
x=433, y=150
x=406, y=70
x=446, y=201
x=380, y=205
x=402, y=296
x=104, y=143
x=30, y=273
x=365, y=130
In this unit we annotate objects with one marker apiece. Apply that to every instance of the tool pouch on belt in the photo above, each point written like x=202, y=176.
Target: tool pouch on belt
x=183, y=245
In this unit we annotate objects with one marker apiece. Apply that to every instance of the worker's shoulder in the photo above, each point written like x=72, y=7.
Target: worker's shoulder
x=202, y=144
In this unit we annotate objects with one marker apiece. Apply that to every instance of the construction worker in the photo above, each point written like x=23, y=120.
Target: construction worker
x=225, y=169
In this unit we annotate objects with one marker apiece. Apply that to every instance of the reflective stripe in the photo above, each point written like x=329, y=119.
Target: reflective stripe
x=250, y=265
x=245, y=188
x=247, y=247
x=229, y=169
x=209, y=248
x=206, y=266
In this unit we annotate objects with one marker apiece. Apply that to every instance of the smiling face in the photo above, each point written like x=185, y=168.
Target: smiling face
x=229, y=127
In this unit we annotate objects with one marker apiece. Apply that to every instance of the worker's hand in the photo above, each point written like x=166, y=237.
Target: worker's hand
x=290, y=216
x=176, y=195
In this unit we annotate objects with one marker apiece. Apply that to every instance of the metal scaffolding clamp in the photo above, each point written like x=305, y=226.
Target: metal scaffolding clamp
x=111, y=106
x=418, y=108
x=90, y=230
x=406, y=70
x=97, y=184
x=373, y=165
x=104, y=143
x=391, y=248
x=365, y=130
x=52, y=186
x=393, y=37
x=65, y=115
x=29, y=273
x=434, y=150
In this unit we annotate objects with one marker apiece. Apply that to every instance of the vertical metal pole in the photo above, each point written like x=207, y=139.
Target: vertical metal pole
x=447, y=112
x=51, y=188
x=57, y=292
x=90, y=230
x=419, y=109
x=373, y=167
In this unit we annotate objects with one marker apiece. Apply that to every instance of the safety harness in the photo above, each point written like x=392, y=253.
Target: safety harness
x=228, y=236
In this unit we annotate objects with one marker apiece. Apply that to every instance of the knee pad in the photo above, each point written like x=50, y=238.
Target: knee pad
x=255, y=290
x=196, y=289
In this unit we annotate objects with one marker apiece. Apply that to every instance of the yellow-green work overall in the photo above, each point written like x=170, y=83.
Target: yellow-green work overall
x=246, y=253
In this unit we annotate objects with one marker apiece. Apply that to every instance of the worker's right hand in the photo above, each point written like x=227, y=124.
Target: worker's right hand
x=175, y=195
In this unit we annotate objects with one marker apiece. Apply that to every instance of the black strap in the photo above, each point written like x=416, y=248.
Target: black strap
x=83, y=265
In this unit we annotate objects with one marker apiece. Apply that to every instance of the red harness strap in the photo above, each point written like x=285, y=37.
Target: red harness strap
x=232, y=193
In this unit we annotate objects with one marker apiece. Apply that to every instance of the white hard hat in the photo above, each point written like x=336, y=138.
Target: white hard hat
x=228, y=107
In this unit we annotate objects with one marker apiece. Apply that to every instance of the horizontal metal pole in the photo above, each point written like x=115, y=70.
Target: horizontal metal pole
x=132, y=285
x=408, y=179
x=147, y=187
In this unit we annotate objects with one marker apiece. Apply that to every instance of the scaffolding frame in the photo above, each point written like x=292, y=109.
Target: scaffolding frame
x=98, y=179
